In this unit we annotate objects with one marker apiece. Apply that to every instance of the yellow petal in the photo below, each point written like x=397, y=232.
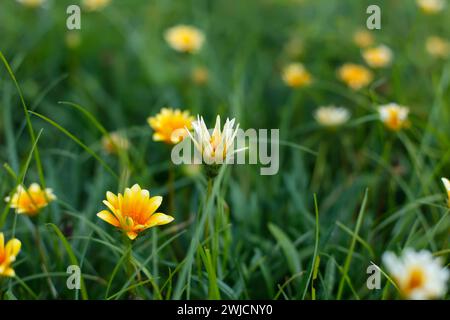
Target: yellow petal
x=2, y=243
x=132, y=235
x=154, y=204
x=108, y=217
x=12, y=248
x=8, y=273
x=159, y=219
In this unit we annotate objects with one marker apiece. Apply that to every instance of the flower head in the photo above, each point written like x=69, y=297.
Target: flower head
x=214, y=148
x=30, y=201
x=95, y=5
x=199, y=75
x=331, y=116
x=363, y=38
x=355, y=76
x=446, y=183
x=295, y=75
x=418, y=275
x=114, y=143
x=170, y=124
x=378, y=57
x=185, y=38
x=431, y=6
x=8, y=255
x=394, y=116
x=134, y=211
x=438, y=47
x=31, y=3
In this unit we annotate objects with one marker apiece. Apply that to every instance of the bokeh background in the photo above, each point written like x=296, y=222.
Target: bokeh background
x=120, y=69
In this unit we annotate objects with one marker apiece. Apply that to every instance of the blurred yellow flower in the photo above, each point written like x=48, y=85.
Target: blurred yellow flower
x=431, y=6
x=418, y=275
x=73, y=39
x=31, y=3
x=394, y=116
x=355, y=76
x=378, y=57
x=170, y=124
x=214, y=148
x=438, y=47
x=114, y=143
x=363, y=38
x=446, y=183
x=199, y=75
x=331, y=116
x=295, y=75
x=294, y=47
x=8, y=255
x=30, y=201
x=95, y=5
x=134, y=211
x=185, y=38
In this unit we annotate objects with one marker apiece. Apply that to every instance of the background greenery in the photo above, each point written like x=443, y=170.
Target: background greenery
x=263, y=237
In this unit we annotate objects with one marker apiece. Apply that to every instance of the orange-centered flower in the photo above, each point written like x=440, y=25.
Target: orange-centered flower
x=30, y=201
x=355, y=76
x=185, y=38
x=295, y=75
x=133, y=211
x=169, y=125
x=394, y=116
x=8, y=255
x=115, y=143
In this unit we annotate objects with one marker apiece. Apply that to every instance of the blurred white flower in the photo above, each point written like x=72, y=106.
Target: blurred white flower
x=418, y=275
x=446, y=183
x=394, y=116
x=331, y=116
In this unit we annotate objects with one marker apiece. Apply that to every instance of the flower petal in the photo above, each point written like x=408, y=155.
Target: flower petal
x=108, y=217
x=159, y=219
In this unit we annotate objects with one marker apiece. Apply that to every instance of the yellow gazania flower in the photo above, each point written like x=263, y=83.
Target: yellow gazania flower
x=446, y=183
x=431, y=6
x=134, y=211
x=295, y=75
x=418, y=275
x=355, y=76
x=438, y=47
x=378, y=57
x=30, y=201
x=114, y=143
x=214, y=148
x=31, y=3
x=95, y=5
x=199, y=75
x=394, y=116
x=8, y=255
x=185, y=38
x=170, y=124
x=363, y=38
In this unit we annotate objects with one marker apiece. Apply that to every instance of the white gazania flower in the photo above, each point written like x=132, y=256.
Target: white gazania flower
x=218, y=147
x=418, y=275
x=394, y=116
x=446, y=183
x=331, y=116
